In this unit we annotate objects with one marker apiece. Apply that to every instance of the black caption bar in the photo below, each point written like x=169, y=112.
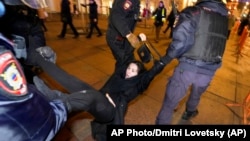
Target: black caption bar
x=163, y=132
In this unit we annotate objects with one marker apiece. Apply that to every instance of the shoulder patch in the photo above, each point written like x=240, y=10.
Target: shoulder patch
x=12, y=79
x=127, y=4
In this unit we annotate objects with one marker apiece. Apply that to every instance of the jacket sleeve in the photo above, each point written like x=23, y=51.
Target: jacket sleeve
x=148, y=76
x=183, y=33
x=123, y=10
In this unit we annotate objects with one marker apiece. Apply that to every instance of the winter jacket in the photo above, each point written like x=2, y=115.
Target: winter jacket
x=31, y=117
x=125, y=11
x=184, y=36
x=122, y=90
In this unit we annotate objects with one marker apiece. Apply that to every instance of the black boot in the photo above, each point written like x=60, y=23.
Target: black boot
x=189, y=114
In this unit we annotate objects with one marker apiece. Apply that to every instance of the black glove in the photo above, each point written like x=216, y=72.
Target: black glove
x=158, y=66
x=165, y=59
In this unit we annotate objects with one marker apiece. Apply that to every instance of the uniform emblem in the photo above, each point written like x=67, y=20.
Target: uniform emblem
x=127, y=4
x=12, y=79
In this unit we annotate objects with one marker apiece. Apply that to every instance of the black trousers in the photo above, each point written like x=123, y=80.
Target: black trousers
x=94, y=25
x=82, y=97
x=64, y=28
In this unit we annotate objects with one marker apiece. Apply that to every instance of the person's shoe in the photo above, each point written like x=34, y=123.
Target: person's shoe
x=99, y=35
x=188, y=114
x=76, y=36
x=60, y=36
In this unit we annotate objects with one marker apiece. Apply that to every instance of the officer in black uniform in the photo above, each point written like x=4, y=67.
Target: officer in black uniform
x=120, y=38
x=93, y=17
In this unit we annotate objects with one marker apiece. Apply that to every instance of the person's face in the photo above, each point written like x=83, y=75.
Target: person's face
x=160, y=4
x=132, y=70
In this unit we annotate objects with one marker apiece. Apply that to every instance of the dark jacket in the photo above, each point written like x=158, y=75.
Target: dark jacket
x=184, y=36
x=122, y=90
x=30, y=118
x=65, y=11
x=123, y=17
x=171, y=17
x=93, y=14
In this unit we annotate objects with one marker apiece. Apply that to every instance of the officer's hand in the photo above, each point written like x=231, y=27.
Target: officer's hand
x=142, y=37
x=84, y=5
x=134, y=40
x=165, y=59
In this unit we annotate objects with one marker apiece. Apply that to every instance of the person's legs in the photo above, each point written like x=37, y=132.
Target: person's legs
x=47, y=92
x=157, y=33
x=98, y=30
x=63, y=32
x=198, y=88
x=69, y=82
x=166, y=29
x=73, y=29
x=99, y=130
x=175, y=91
x=91, y=30
x=90, y=100
x=93, y=102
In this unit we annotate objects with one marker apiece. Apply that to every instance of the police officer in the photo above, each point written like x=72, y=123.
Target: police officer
x=93, y=17
x=120, y=38
x=199, y=40
x=23, y=20
x=20, y=101
x=34, y=112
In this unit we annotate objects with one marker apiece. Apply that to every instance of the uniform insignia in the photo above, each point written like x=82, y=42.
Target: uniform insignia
x=12, y=79
x=127, y=4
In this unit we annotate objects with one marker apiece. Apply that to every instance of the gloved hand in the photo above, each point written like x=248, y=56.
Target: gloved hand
x=158, y=66
x=165, y=59
x=47, y=53
x=134, y=40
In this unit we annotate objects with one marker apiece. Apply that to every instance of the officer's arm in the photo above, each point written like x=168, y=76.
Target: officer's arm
x=183, y=34
x=118, y=17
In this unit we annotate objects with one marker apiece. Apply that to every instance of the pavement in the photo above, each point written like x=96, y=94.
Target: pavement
x=223, y=103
